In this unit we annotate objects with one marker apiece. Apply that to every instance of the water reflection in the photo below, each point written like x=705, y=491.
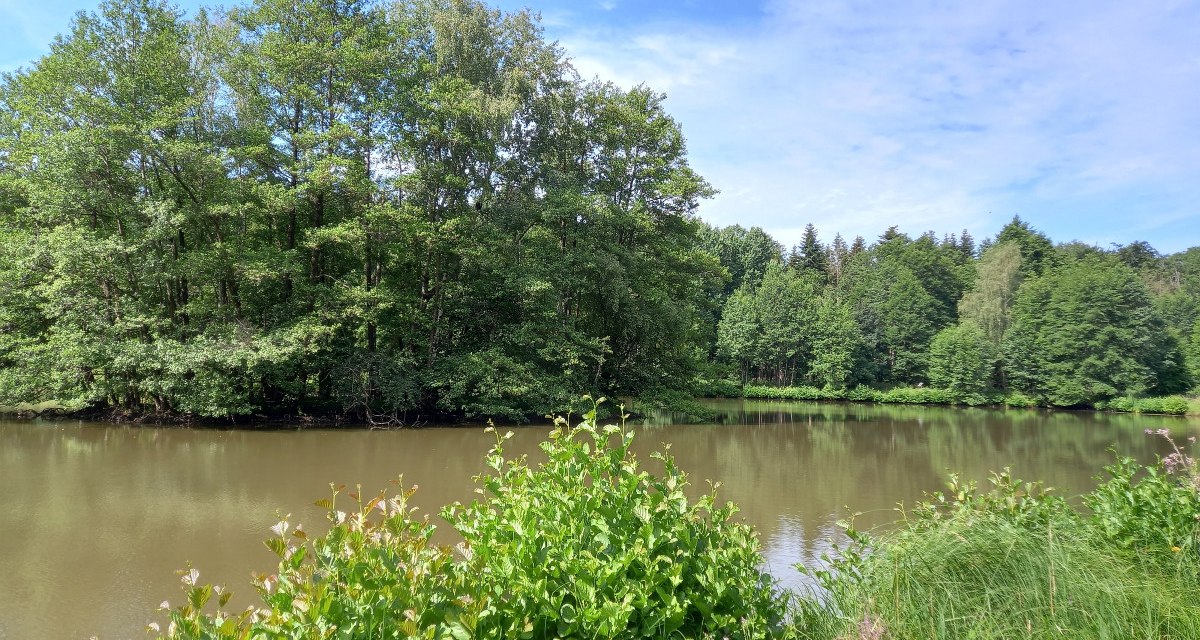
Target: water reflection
x=97, y=517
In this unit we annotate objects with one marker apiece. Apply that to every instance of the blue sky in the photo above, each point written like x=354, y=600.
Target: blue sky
x=1081, y=117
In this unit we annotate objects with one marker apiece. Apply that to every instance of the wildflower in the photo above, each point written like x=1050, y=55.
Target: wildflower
x=1176, y=549
x=280, y=528
x=1177, y=462
x=190, y=578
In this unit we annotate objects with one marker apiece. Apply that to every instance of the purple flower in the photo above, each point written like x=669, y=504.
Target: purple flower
x=1177, y=462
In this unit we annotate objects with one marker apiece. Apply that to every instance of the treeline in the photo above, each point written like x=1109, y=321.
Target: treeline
x=380, y=211
x=339, y=206
x=1068, y=325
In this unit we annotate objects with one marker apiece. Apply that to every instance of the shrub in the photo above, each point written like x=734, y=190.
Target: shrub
x=590, y=545
x=585, y=545
x=1157, y=514
x=1175, y=405
x=375, y=561
x=1016, y=399
x=917, y=395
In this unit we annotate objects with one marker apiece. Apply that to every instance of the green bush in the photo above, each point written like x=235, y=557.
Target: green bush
x=590, y=545
x=1016, y=399
x=718, y=388
x=917, y=395
x=1175, y=405
x=585, y=545
x=1170, y=405
x=1156, y=515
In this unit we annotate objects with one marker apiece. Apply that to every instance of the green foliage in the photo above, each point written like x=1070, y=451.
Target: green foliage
x=1037, y=252
x=586, y=544
x=1017, y=399
x=769, y=331
x=590, y=544
x=1149, y=510
x=895, y=395
x=989, y=302
x=1169, y=405
x=1086, y=333
x=961, y=360
x=340, y=207
x=837, y=344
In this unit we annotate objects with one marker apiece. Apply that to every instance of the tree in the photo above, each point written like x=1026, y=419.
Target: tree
x=337, y=206
x=966, y=245
x=1137, y=255
x=810, y=255
x=907, y=315
x=1087, y=332
x=1193, y=353
x=738, y=332
x=1037, y=252
x=961, y=360
x=837, y=343
x=858, y=246
x=786, y=309
x=988, y=304
x=745, y=253
x=835, y=261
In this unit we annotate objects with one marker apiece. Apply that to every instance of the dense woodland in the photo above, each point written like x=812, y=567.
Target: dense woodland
x=371, y=210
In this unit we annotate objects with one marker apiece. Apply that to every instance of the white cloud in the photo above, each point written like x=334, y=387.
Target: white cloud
x=859, y=116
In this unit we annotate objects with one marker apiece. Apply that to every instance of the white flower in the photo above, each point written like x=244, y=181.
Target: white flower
x=280, y=528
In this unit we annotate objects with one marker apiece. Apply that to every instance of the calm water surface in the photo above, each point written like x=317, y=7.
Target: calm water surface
x=96, y=518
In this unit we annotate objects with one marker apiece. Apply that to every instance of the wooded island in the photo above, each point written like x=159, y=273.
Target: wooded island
x=380, y=210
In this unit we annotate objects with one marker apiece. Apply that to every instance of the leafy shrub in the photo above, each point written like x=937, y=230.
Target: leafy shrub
x=585, y=545
x=917, y=395
x=718, y=388
x=1159, y=513
x=1016, y=399
x=590, y=545
x=1175, y=405
x=803, y=393
x=374, y=562
x=1170, y=405
x=862, y=394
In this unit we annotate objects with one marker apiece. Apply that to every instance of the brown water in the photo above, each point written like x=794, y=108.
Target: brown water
x=96, y=518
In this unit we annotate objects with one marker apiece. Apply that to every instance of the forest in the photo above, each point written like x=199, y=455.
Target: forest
x=383, y=211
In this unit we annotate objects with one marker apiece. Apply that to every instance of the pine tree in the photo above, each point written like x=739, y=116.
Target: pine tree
x=858, y=246
x=835, y=261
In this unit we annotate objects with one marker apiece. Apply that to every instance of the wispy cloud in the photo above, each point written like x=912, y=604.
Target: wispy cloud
x=857, y=116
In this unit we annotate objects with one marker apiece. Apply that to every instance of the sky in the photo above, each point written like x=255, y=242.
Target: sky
x=1082, y=117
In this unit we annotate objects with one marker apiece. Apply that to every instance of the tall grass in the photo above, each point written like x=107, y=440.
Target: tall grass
x=1015, y=562
x=986, y=577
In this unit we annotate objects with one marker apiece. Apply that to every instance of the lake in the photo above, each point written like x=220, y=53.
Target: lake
x=96, y=518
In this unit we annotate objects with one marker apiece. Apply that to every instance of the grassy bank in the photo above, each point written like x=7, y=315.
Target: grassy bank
x=1169, y=405
x=1017, y=562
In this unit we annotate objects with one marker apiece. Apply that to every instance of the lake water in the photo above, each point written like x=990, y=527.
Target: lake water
x=96, y=518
